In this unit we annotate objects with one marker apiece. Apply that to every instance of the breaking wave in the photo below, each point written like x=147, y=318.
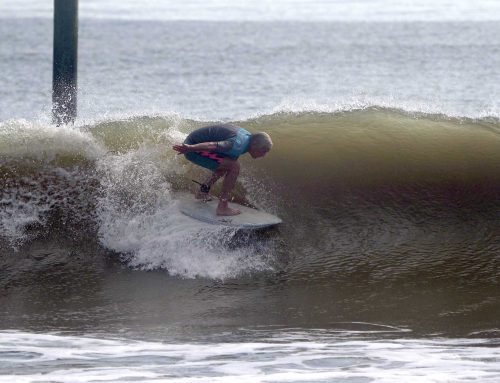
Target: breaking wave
x=358, y=190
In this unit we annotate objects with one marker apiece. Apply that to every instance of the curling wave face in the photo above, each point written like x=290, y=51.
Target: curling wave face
x=372, y=191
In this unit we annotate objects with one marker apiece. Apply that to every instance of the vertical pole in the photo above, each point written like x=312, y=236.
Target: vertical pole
x=64, y=67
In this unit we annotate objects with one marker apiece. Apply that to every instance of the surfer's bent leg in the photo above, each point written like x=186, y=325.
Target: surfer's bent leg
x=220, y=166
x=231, y=169
x=210, y=161
x=214, y=177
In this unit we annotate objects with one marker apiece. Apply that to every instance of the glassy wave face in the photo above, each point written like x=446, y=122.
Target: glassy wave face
x=373, y=193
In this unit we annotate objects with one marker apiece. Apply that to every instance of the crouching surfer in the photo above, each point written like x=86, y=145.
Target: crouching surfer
x=217, y=148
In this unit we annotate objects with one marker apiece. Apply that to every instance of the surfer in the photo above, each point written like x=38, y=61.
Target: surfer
x=217, y=148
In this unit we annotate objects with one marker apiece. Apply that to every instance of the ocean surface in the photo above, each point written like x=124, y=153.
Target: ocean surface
x=385, y=170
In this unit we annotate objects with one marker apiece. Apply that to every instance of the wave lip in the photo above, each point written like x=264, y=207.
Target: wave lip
x=22, y=139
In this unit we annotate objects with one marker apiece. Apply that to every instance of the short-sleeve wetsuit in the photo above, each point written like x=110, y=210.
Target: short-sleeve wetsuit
x=232, y=141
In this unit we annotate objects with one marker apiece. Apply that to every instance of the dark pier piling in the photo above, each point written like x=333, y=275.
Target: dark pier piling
x=64, y=74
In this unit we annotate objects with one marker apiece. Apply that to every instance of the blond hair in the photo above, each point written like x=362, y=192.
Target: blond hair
x=261, y=140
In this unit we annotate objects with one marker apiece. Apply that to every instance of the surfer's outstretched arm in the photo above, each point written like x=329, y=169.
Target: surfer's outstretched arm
x=203, y=146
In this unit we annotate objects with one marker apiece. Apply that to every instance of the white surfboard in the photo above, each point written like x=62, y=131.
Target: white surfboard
x=205, y=212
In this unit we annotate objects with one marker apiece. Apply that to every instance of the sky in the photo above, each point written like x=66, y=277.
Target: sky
x=266, y=10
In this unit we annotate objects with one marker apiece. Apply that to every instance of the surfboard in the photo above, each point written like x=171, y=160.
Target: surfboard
x=205, y=211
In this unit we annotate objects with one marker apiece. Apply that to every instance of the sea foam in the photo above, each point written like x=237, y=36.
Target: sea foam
x=287, y=356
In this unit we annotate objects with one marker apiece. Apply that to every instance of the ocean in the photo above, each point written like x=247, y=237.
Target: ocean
x=385, y=170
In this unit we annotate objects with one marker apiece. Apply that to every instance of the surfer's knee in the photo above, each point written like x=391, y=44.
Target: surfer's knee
x=229, y=165
x=220, y=171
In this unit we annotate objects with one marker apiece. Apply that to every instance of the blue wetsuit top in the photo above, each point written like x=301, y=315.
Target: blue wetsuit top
x=232, y=141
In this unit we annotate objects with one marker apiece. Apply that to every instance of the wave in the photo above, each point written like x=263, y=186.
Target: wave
x=360, y=190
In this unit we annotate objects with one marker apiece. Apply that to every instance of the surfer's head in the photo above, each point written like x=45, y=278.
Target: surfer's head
x=260, y=144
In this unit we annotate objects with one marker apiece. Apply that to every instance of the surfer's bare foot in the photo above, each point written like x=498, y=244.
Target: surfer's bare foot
x=203, y=196
x=224, y=209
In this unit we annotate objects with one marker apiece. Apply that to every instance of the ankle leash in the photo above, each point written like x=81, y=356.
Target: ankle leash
x=203, y=187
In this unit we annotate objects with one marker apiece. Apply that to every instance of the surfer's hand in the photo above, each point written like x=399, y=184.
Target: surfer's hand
x=182, y=148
